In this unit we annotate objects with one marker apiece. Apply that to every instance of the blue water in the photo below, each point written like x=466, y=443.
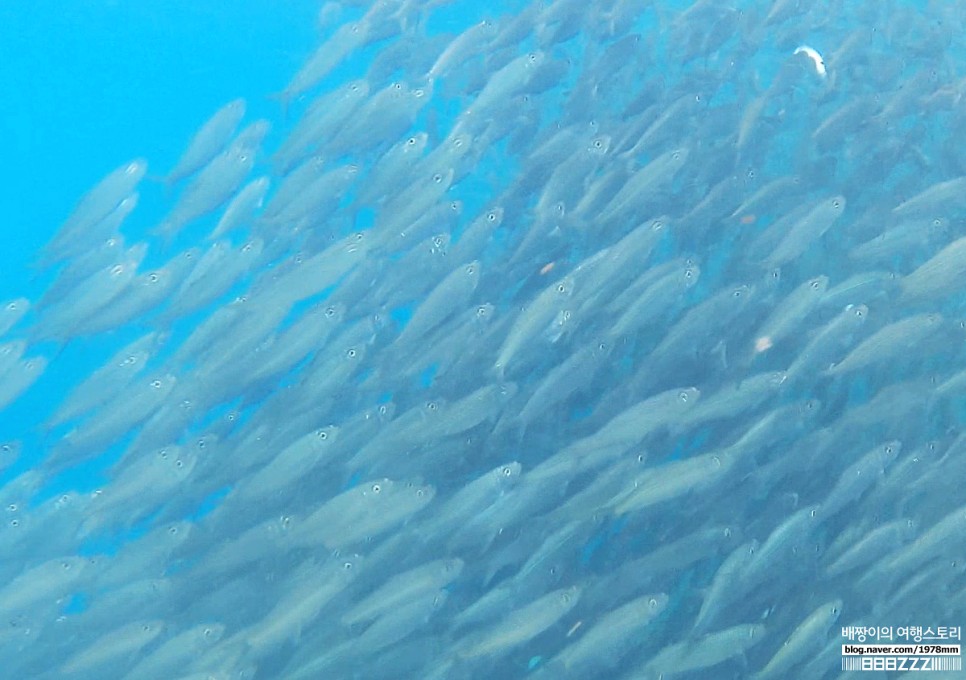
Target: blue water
x=89, y=86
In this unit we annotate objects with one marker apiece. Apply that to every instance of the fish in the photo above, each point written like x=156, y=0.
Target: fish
x=615, y=630
x=209, y=140
x=96, y=205
x=326, y=57
x=242, y=207
x=520, y=625
x=358, y=513
x=804, y=640
x=117, y=373
x=888, y=342
x=706, y=652
x=121, y=642
x=452, y=293
x=403, y=588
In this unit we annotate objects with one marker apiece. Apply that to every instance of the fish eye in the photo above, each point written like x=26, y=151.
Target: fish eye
x=173, y=530
x=420, y=493
x=330, y=311
x=751, y=174
x=202, y=444
x=470, y=269
x=437, y=178
x=598, y=144
x=507, y=472
x=323, y=434
x=432, y=406
x=397, y=86
x=683, y=396
x=155, y=384
x=351, y=353
x=737, y=293
x=179, y=464
x=66, y=565
x=561, y=288
x=208, y=632
x=14, y=523
x=689, y=273
x=652, y=603
x=481, y=311
x=347, y=566
x=12, y=507
x=411, y=141
x=532, y=57
x=376, y=488
x=491, y=216
x=815, y=285
x=836, y=204
x=153, y=277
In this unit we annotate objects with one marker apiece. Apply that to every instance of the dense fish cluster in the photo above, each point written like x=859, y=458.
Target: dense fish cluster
x=600, y=339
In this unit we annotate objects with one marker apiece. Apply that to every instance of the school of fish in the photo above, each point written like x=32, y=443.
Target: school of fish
x=598, y=339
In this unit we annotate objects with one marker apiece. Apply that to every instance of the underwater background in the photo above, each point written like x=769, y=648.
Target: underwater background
x=428, y=339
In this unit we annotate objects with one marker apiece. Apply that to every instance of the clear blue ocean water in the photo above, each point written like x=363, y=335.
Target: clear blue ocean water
x=86, y=87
